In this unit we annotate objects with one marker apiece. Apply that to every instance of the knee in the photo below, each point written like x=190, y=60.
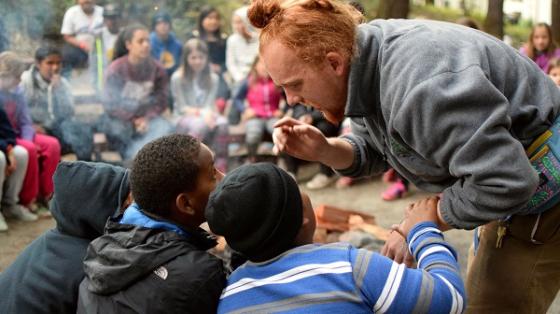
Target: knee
x=21, y=155
x=3, y=162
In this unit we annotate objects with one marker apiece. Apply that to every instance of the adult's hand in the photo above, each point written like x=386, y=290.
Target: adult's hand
x=424, y=210
x=13, y=164
x=299, y=140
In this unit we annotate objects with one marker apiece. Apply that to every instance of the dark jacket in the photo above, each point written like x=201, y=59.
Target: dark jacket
x=46, y=275
x=133, y=269
x=7, y=134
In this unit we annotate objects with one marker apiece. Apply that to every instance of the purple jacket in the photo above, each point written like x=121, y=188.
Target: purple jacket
x=14, y=104
x=542, y=59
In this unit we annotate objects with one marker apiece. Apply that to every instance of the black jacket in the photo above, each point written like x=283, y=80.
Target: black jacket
x=133, y=269
x=45, y=277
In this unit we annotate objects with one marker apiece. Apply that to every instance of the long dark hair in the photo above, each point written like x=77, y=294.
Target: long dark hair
x=125, y=35
x=192, y=45
x=531, y=50
x=204, y=12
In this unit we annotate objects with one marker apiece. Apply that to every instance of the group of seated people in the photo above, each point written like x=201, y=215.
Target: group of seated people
x=131, y=241
x=143, y=98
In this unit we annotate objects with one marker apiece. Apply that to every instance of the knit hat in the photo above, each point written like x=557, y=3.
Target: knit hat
x=161, y=17
x=258, y=209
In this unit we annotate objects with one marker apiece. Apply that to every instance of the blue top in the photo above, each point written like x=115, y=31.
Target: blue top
x=168, y=52
x=134, y=216
x=338, y=278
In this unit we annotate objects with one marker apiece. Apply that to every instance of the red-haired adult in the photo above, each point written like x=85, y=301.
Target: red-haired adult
x=451, y=109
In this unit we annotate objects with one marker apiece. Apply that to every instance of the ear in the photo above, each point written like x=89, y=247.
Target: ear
x=336, y=62
x=127, y=44
x=184, y=205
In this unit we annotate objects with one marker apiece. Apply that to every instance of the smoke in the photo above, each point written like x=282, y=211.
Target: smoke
x=157, y=128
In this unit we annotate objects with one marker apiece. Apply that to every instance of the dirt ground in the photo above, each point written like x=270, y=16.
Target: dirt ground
x=364, y=197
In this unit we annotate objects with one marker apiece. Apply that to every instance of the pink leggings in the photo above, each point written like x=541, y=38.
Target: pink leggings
x=44, y=155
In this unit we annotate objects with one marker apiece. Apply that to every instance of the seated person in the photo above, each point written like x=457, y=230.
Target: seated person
x=43, y=150
x=153, y=259
x=13, y=166
x=196, y=102
x=51, y=105
x=259, y=100
x=166, y=48
x=45, y=277
x=262, y=214
x=135, y=93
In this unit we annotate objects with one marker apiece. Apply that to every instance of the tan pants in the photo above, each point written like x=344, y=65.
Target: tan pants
x=519, y=277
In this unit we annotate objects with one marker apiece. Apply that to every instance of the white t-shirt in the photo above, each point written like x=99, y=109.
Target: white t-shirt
x=81, y=25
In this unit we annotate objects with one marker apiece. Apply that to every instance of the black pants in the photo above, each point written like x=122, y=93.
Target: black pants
x=73, y=57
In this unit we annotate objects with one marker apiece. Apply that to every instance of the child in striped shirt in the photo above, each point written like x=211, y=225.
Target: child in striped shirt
x=263, y=215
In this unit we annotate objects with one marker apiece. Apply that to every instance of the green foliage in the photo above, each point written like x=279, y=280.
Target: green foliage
x=518, y=33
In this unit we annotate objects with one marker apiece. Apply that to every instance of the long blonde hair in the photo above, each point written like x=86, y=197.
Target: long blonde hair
x=12, y=64
x=190, y=46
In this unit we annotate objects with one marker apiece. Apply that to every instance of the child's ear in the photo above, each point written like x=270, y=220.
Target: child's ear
x=305, y=222
x=184, y=205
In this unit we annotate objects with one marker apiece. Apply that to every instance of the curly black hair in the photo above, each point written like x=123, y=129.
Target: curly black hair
x=163, y=169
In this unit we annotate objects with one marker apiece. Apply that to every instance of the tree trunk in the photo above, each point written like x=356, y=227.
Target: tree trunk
x=393, y=9
x=556, y=20
x=494, y=23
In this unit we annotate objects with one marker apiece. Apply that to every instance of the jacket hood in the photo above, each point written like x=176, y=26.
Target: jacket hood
x=127, y=253
x=85, y=195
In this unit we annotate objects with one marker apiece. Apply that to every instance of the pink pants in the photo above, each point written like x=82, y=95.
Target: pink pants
x=44, y=155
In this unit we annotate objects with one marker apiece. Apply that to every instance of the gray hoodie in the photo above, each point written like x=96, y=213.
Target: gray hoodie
x=452, y=109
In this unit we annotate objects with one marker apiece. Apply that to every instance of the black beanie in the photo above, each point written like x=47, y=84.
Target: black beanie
x=258, y=209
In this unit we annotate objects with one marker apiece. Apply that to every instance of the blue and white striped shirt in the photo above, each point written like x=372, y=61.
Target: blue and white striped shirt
x=338, y=278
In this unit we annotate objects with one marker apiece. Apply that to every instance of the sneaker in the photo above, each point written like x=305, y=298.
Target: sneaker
x=20, y=212
x=395, y=191
x=320, y=181
x=3, y=224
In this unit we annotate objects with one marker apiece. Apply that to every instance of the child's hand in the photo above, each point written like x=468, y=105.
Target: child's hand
x=420, y=211
x=13, y=164
x=278, y=114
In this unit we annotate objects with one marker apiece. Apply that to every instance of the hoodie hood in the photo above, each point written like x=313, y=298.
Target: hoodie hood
x=85, y=195
x=127, y=253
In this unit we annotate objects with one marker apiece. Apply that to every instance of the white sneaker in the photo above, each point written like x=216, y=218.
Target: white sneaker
x=320, y=181
x=20, y=212
x=3, y=225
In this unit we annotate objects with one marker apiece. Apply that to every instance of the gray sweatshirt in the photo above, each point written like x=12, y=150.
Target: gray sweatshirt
x=451, y=109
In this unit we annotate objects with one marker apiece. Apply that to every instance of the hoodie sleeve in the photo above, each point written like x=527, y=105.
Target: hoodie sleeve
x=461, y=122
x=368, y=161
